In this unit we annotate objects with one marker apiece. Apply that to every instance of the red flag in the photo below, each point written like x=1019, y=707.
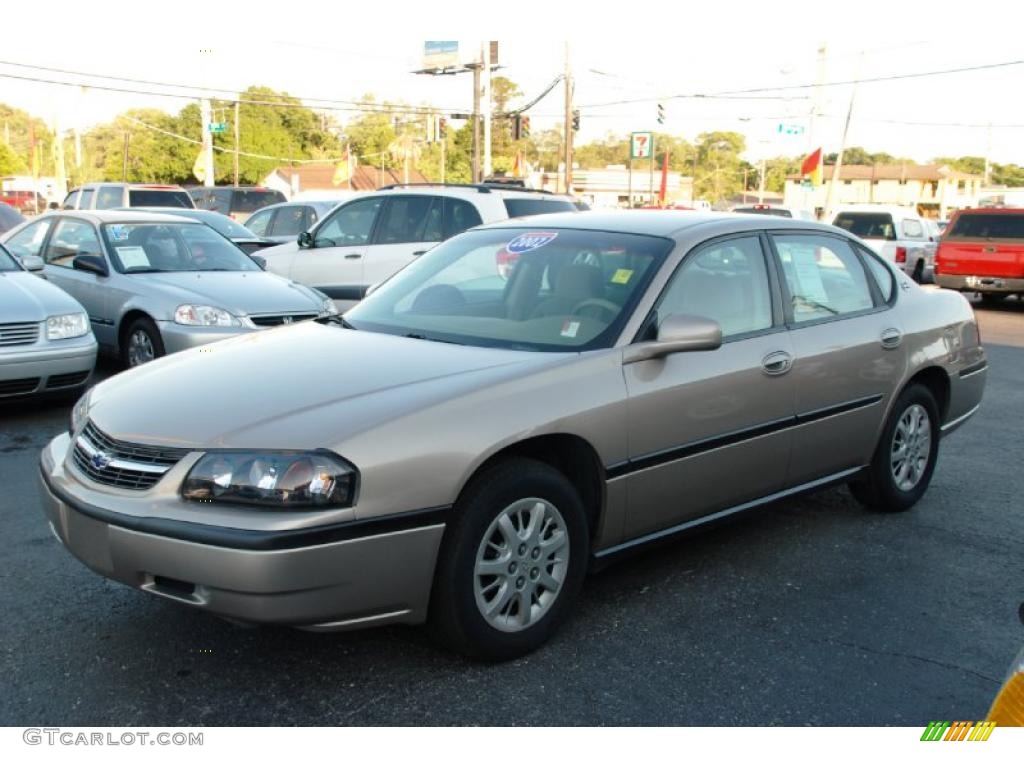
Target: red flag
x=811, y=162
x=664, y=179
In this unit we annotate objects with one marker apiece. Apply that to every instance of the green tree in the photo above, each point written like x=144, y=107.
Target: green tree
x=719, y=167
x=10, y=161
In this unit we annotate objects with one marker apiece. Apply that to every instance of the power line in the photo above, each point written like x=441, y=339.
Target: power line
x=377, y=108
x=806, y=86
x=198, y=88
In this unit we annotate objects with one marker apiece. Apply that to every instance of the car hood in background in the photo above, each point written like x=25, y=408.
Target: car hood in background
x=25, y=298
x=241, y=293
x=304, y=386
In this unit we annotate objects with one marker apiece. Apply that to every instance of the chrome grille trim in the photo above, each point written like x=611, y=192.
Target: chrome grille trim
x=267, y=321
x=124, y=465
x=15, y=334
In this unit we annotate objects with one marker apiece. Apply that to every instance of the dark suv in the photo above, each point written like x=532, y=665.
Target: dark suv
x=236, y=202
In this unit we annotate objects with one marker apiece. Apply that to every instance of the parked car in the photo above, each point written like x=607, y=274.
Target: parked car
x=366, y=240
x=898, y=235
x=461, y=447
x=241, y=236
x=983, y=251
x=25, y=201
x=9, y=218
x=767, y=209
x=155, y=284
x=237, y=202
x=284, y=222
x=104, y=196
x=46, y=345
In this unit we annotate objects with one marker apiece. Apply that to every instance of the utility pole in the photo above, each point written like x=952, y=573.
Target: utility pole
x=444, y=141
x=760, y=183
x=838, y=167
x=58, y=146
x=476, y=123
x=205, y=116
x=237, y=132
x=485, y=96
x=124, y=157
x=988, y=157
x=816, y=111
x=568, y=121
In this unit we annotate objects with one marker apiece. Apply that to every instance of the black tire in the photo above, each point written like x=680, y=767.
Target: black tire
x=148, y=327
x=876, y=487
x=918, y=275
x=992, y=299
x=455, y=620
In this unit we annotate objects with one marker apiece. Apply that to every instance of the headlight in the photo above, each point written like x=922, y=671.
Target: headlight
x=80, y=413
x=279, y=479
x=67, y=326
x=199, y=314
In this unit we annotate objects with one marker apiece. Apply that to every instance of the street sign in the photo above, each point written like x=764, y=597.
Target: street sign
x=791, y=129
x=641, y=145
x=217, y=127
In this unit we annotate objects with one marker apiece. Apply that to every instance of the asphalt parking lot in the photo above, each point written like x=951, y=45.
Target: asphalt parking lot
x=808, y=612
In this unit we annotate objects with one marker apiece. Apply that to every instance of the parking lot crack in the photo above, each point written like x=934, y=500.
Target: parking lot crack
x=913, y=657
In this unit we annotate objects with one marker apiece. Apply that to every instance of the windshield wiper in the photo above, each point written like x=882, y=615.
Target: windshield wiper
x=141, y=270
x=337, y=320
x=429, y=338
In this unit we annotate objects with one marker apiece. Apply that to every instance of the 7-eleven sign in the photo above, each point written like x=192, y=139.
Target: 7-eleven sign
x=641, y=144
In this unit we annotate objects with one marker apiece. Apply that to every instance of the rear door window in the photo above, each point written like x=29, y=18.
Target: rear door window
x=870, y=226
x=528, y=206
x=411, y=219
x=823, y=276
x=87, y=197
x=109, y=197
x=459, y=215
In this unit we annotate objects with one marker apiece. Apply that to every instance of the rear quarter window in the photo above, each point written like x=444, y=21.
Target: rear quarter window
x=870, y=226
x=526, y=206
x=172, y=198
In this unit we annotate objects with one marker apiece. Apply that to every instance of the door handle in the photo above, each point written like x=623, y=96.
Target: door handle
x=891, y=338
x=353, y=255
x=777, y=363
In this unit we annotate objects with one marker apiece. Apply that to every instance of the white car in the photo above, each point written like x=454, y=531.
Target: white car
x=899, y=235
x=365, y=241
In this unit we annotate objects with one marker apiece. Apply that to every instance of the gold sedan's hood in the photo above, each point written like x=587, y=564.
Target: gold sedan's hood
x=306, y=386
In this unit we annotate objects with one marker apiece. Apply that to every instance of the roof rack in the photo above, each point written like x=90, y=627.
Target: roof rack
x=487, y=186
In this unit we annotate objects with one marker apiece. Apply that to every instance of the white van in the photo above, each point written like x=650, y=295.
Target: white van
x=897, y=234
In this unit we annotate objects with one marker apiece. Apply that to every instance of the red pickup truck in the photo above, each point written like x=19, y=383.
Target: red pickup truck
x=982, y=250
x=24, y=201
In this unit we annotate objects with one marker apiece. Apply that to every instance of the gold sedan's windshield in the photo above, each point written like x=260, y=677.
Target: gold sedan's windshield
x=522, y=288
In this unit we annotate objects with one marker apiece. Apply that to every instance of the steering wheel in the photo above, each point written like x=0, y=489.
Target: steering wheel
x=601, y=304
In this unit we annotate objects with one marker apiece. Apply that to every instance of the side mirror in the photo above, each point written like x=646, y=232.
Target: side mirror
x=260, y=261
x=677, y=333
x=305, y=240
x=90, y=262
x=32, y=263
x=54, y=206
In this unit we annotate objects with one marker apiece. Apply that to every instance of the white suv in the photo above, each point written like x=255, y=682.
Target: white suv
x=899, y=235
x=366, y=240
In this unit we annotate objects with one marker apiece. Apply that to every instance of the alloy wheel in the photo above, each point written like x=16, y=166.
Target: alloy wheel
x=911, y=447
x=140, y=348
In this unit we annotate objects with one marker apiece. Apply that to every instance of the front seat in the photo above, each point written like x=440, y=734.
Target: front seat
x=573, y=284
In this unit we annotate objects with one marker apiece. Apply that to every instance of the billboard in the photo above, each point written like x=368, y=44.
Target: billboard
x=440, y=54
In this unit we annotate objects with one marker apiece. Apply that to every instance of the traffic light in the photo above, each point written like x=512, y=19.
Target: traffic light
x=661, y=114
x=575, y=119
x=517, y=127
x=442, y=128
x=524, y=127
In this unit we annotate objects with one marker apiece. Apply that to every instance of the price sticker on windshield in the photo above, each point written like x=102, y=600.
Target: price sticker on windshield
x=529, y=241
x=622, y=276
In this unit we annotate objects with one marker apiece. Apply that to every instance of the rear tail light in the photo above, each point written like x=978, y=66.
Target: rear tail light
x=901, y=255
x=505, y=262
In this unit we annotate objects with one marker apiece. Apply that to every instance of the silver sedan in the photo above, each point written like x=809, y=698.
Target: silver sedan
x=45, y=341
x=154, y=284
